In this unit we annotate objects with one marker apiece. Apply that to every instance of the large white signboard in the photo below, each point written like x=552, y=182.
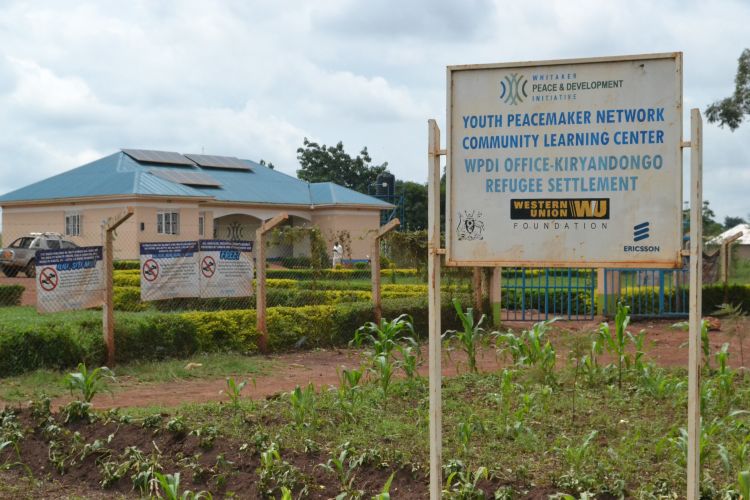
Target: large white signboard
x=574, y=162
x=69, y=279
x=169, y=270
x=226, y=268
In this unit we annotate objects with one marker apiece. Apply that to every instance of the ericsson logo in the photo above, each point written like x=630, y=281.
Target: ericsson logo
x=640, y=231
x=513, y=89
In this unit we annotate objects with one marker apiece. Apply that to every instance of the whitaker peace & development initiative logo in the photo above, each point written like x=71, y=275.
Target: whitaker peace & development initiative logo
x=513, y=89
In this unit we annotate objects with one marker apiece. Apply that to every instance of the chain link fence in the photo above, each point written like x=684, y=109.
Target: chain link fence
x=311, y=300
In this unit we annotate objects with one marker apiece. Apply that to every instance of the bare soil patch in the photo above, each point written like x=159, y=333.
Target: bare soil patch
x=666, y=346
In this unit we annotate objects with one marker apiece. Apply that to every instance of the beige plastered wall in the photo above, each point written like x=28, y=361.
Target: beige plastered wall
x=21, y=220
x=18, y=221
x=361, y=225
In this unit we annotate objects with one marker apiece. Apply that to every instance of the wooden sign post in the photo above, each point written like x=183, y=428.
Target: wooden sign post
x=696, y=304
x=433, y=276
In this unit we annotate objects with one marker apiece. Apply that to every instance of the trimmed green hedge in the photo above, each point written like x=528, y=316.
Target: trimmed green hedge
x=715, y=295
x=146, y=336
x=328, y=274
x=10, y=295
x=126, y=264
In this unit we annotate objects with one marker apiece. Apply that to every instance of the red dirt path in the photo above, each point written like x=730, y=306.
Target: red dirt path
x=665, y=347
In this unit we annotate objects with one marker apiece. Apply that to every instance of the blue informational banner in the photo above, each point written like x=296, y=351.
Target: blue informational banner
x=226, y=268
x=69, y=279
x=169, y=270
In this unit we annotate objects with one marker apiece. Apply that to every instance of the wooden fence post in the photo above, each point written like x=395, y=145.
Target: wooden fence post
x=260, y=278
x=375, y=267
x=108, y=314
x=496, y=295
x=476, y=283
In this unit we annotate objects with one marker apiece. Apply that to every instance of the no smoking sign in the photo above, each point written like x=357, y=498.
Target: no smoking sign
x=48, y=279
x=208, y=266
x=150, y=270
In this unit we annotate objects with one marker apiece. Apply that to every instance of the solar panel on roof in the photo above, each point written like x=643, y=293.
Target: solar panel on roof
x=163, y=157
x=187, y=178
x=213, y=161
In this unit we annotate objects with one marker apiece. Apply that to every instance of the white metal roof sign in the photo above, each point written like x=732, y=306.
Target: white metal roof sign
x=574, y=162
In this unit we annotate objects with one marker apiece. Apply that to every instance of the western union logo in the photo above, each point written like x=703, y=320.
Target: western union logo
x=560, y=208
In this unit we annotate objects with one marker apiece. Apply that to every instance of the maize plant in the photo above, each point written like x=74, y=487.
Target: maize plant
x=233, y=391
x=88, y=383
x=383, y=338
x=470, y=337
x=169, y=485
x=531, y=348
x=303, y=405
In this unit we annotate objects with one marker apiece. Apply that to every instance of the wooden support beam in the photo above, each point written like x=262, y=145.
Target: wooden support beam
x=375, y=267
x=260, y=278
x=108, y=314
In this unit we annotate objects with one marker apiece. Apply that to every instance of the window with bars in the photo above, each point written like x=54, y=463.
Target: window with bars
x=168, y=223
x=201, y=224
x=72, y=224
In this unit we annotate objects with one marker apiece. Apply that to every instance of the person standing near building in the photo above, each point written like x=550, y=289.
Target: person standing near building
x=338, y=253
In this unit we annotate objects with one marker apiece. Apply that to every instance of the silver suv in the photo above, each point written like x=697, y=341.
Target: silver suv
x=21, y=254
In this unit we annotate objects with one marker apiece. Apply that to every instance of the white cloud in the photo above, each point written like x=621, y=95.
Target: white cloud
x=80, y=79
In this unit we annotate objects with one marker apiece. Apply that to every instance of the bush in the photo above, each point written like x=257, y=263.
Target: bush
x=327, y=274
x=126, y=278
x=50, y=345
x=128, y=298
x=149, y=336
x=10, y=295
x=126, y=264
x=715, y=295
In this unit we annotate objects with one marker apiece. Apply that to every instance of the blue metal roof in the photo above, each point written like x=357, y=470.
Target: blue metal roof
x=119, y=174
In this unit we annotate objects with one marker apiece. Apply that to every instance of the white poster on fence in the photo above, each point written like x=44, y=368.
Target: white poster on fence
x=69, y=279
x=226, y=268
x=169, y=270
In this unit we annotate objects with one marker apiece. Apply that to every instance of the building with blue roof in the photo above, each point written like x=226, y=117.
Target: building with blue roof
x=179, y=197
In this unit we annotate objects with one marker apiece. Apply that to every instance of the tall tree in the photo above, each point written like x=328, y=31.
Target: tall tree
x=710, y=226
x=321, y=163
x=415, y=204
x=732, y=110
x=730, y=222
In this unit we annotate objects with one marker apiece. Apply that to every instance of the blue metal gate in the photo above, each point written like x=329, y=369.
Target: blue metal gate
x=534, y=294
x=648, y=292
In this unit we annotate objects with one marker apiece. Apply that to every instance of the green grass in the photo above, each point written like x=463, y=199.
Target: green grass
x=24, y=387
x=28, y=315
x=740, y=272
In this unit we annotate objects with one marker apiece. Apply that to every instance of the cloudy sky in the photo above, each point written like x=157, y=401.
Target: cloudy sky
x=80, y=80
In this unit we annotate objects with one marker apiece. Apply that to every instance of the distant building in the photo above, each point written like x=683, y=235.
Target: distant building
x=186, y=197
x=742, y=244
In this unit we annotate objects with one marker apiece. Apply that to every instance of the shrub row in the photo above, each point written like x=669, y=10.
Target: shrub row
x=10, y=295
x=149, y=336
x=130, y=277
x=335, y=274
x=557, y=301
x=128, y=298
